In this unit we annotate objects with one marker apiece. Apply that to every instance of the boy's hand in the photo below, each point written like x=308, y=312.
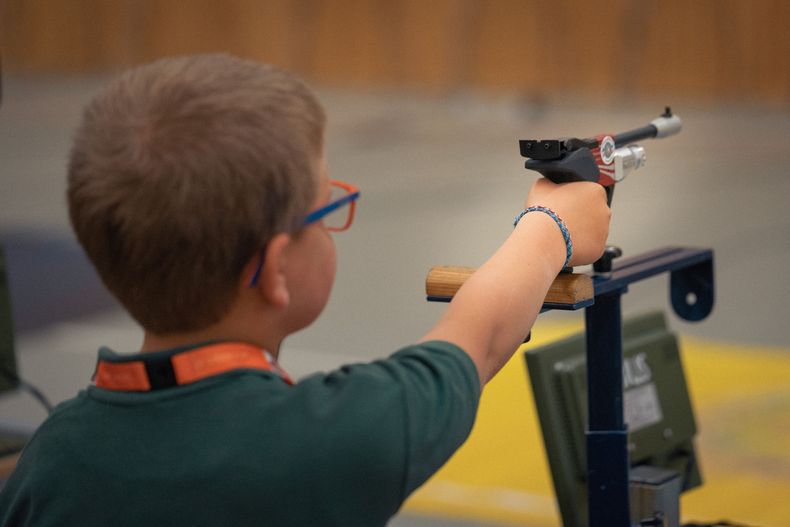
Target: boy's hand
x=582, y=207
x=498, y=304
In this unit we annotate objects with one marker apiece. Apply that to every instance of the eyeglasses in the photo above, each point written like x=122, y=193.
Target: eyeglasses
x=335, y=215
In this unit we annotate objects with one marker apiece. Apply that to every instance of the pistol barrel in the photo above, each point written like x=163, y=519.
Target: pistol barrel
x=663, y=126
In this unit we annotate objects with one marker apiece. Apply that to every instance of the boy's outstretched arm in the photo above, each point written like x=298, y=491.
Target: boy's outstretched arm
x=495, y=308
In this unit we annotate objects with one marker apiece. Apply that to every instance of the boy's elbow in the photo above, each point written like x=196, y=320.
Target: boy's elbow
x=476, y=347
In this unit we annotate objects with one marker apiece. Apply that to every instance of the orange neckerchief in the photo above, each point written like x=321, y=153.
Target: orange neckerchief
x=187, y=367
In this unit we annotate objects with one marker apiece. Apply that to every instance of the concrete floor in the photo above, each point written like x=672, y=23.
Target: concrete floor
x=441, y=179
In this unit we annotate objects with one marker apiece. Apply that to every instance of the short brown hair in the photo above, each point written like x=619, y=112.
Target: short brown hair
x=180, y=171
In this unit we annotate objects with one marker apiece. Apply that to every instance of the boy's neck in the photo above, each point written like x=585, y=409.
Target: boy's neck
x=222, y=331
x=250, y=318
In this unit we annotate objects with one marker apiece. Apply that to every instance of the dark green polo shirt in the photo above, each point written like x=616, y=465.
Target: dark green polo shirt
x=243, y=448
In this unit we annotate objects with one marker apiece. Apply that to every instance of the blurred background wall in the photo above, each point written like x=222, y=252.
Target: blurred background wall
x=704, y=50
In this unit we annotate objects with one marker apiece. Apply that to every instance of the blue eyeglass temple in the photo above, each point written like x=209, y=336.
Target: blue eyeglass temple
x=257, y=275
x=326, y=209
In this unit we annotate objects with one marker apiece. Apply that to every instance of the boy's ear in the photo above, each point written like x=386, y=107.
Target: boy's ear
x=272, y=281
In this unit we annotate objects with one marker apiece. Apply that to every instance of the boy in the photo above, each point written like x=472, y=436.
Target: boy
x=198, y=188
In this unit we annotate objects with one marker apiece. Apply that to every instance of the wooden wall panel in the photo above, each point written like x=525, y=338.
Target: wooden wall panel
x=702, y=49
x=543, y=47
x=507, y=49
x=356, y=42
x=168, y=28
x=766, y=44
x=681, y=50
x=433, y=45
x=51, y=36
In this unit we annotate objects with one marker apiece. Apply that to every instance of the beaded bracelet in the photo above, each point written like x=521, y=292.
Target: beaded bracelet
x=565, y=234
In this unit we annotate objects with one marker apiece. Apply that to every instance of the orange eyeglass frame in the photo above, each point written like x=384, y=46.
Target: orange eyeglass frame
x=350, y=199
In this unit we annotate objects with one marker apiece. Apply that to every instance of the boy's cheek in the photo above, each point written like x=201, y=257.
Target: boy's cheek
x=315, y=272
x=329, y=270
x=329, y=267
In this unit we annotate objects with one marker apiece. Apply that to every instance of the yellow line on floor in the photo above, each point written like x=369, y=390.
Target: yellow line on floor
x=741, y=398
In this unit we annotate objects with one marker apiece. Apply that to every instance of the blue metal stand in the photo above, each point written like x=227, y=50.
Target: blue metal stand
x=607, y=435
x=692, y=296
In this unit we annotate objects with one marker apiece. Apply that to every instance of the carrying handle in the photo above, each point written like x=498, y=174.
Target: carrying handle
x=568, y=289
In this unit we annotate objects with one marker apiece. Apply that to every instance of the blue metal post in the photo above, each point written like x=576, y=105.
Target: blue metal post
x=607, y=448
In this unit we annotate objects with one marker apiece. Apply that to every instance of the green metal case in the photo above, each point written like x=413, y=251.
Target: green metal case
x=656, y=402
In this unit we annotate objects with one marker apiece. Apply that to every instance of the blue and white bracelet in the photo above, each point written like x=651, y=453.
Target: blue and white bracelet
x=565, y=234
